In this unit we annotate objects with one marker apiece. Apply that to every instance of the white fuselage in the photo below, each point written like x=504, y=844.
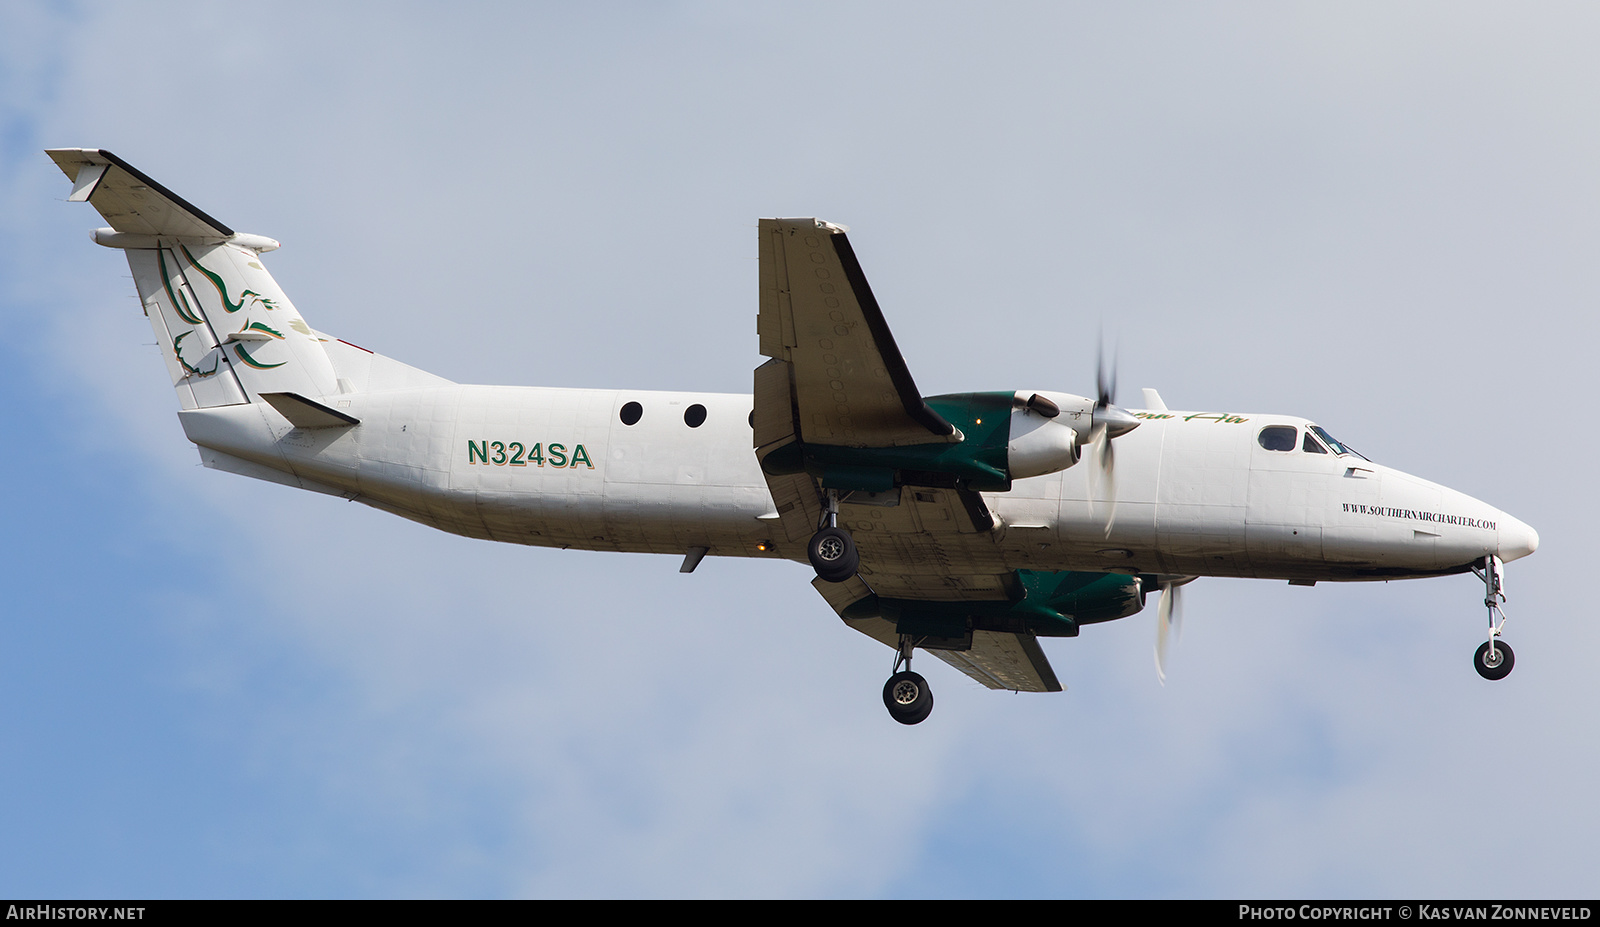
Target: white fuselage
x=1196, y=493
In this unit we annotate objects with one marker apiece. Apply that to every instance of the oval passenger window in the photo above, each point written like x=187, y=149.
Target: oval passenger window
x=631, y=412
x=1278, y=437
x=695, y=415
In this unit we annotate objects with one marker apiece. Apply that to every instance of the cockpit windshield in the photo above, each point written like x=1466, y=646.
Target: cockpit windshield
x=1337, y=447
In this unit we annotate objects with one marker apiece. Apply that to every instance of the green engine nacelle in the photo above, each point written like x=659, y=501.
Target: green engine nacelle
x=1050, y=605
x=1008, y=436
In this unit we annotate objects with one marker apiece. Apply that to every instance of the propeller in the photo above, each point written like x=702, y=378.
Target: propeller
x=1109, y=421
x=1169, y=624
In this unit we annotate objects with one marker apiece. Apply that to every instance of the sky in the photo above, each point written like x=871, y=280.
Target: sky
x=1380, y=216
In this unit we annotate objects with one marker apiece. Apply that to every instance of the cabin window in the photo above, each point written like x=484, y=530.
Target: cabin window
x=1311, y=445
x=631, y=413
x=1278, y=437
x=695, y=415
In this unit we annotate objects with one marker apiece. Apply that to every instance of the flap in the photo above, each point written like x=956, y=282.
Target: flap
x=1002, y=660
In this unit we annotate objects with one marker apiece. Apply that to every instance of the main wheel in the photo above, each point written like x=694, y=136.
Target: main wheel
x=833, y=552
x=1495, y=663
x=908, y=698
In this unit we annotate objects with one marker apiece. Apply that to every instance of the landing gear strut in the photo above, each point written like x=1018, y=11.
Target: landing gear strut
x=1494, y=658
x=832, y=551
x=906, y=694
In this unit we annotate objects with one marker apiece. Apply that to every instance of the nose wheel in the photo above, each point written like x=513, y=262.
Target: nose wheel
x=1494, y=658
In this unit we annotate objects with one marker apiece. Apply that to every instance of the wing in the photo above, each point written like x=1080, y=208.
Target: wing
x=837, y=380
x=1005, y=661
x=998, y=659
x=818, y=316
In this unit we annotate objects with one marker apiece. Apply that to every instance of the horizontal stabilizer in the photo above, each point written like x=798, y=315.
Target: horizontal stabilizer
x=131, y=202
x=308, y=413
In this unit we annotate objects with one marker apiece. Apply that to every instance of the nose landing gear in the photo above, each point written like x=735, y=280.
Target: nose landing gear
x=1494, y=658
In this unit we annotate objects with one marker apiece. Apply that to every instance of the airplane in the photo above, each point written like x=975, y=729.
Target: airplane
x=967, y=525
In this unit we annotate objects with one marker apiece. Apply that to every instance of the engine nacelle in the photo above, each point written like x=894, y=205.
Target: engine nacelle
x=1053, y=605
x=1047, y=430
x=1005, y=436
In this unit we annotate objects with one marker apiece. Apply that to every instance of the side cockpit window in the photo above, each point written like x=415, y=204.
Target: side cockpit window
x=1278, y=437
x=1340, y=449
x=1311, y=445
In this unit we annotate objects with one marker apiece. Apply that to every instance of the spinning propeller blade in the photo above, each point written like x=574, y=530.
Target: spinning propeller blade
x=1110, y=421
x=1169, y=624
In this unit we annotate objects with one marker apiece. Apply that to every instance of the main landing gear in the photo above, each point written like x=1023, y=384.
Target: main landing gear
x=906, y=694
x=832, y=551
x=1494, y=658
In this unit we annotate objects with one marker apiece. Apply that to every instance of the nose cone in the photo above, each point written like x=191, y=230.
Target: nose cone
x=1516, y=539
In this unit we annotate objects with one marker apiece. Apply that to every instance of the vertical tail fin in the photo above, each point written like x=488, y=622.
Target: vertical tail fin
x=226, y=330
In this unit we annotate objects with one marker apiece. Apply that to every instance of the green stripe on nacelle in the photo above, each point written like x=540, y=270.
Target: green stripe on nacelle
x=1053, y=604
x=979, y=462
